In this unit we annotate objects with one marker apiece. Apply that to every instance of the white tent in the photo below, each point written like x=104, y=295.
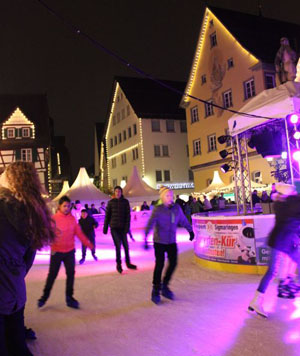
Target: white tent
x=136, y=190
x=84, y=190
x=63, y=191
x=216, y=185
x=275, y=103
x=258, y=186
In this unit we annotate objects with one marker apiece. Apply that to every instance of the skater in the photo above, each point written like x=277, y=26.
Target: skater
x=88, y=225
x=283, y=239
x=102, y=209
x=76, y=211
x=63, y=250
x=164, y=220
x=118, y=218
x=26, y=225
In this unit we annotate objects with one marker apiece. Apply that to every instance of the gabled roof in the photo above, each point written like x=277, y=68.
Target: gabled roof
x=258, y=34
x=34, y=107
x=151, y=100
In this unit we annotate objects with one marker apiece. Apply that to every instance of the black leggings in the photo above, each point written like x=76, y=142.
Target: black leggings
x=160, y=250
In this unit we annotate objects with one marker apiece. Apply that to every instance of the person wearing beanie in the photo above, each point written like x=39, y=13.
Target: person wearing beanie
x=164, y=220
x=283, y=239
x=117, y=216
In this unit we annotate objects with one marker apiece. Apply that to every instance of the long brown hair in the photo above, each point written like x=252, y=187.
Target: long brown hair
x=25, y=185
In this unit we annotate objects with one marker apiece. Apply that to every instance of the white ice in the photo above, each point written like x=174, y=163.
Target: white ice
x=208, y=318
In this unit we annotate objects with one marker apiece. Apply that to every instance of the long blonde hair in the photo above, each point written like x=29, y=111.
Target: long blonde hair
x=25, y=185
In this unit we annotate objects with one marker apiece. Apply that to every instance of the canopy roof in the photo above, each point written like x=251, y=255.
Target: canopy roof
x=84, y=190
x=63, y=191
x=230, y=187
x=216, y=185
x=137, y=189
x=275, y=103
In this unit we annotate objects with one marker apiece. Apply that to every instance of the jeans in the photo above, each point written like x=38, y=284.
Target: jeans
x=120, y=238
x=83, y=248
x=273, y=269
x=160, y=250
x=12, y=335
x=68, y=258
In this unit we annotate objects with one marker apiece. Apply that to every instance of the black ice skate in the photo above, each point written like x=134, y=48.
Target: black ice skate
x=72, y=303
x=155, y=296
x=166, y=292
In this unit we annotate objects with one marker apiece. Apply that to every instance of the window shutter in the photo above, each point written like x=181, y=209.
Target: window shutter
x=18, y=155
x=34, y=155
x=5, y=133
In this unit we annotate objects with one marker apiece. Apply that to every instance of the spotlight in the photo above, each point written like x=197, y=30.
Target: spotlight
x=284, y=155
x=294, y=118
x=296, y=156
x=223, y=139
x=224, y=153
x=225, y=168
x=297, y=135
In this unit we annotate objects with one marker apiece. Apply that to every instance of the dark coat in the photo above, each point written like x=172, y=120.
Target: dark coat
x=88, y=226
x=285, y=234
x=16, y=255
x=117, y=215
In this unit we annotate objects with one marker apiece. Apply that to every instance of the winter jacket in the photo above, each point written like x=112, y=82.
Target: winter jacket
x=88, y=226
x=16, y=255
x=165, y=221
x=285, y=234
x=117, y=215
x=66, y=229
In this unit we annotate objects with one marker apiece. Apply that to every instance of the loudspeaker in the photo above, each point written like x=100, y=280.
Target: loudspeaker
x=267, y=142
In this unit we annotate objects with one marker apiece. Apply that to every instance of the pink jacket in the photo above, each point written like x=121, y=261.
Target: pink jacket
x=66, y=229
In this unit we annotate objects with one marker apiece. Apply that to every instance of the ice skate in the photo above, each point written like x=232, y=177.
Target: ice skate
x=155, y=295
x=166, y=292
x=131, y=266
x=119, y=268
x=256, y=304
x=72, y=303
x=42, y=301
x=82, y=261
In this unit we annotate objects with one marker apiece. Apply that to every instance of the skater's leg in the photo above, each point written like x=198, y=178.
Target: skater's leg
x=93, y=250
x=117, y=241
x=83, y=250
x=159, y=250
x=272, y=270
x=172, y=257
x=69, y=262
x=55, y=261
x=124, y=241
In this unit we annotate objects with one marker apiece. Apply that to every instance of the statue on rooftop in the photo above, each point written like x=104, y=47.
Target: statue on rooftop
x=285, y=62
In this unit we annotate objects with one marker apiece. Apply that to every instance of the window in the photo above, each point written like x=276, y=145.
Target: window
x=187, y=151
x=128, y=110
x=123, y=158
x=10, y=133
x=156, y=150
x=194, y=114
x=118, y=98
x=115, y=182
x=183, y=126
x=125, y=178
x=114, y=121
x=213, y=40
x=129, y=132
x=116, y=140
x=212, y=143
x=158, y=176
x=170, y=126
x=270, y=80
x=135, y=154
x=120, y=137
x=228, y=142
x=209, y=109
x=118, y=117
x=227, y=99
x=191, y=175
x=121, y=96
x=111, y=143
x=26, y=154
x=203, y=79
x=211, y=23
x=167, y=176
x=123, y=114
x=249, y=88
x=197, y=147
x=134, y=129
x=124, y=135
x=114, y=163
x=257, y=177
x=165, y=151
x=155, y=125
x=25, y=132
x=208, y=182
x=229, y=63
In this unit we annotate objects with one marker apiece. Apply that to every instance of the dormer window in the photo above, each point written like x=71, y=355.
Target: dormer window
x=213, y=40
x=11, y=133
x=25, y=132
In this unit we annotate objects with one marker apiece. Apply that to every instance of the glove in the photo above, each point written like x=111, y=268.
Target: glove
x=146, y=246
x=192, y=235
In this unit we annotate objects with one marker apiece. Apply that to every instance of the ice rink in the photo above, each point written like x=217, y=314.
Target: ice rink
x=208, y=318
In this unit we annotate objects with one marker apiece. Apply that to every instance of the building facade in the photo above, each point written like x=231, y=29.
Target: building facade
x=233, y=62
x=147, y=129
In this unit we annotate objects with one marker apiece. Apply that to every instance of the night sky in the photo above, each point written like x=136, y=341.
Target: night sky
x=39, y=54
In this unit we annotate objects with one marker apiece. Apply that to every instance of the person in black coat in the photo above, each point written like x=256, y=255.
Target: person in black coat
x=88, y=225
x=25, y=225
x=117, y=216
x=284, y=239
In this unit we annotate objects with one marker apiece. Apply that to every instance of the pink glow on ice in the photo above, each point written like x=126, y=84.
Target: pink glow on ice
x=296, y=312
x=292, y=337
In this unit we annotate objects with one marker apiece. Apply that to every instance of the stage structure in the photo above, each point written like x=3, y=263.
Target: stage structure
x=277, y=137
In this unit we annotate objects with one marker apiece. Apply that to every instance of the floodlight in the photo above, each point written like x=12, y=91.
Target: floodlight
x=225, y=168
x=223, y=139
x=224, y=153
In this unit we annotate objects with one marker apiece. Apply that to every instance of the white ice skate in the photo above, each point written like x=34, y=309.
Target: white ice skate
x=256, y=304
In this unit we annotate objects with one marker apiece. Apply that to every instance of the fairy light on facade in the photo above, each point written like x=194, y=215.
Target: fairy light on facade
x=123, y=151
x=15, y=122
x=101, y=165
x=142, y=147
x=58, y=163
